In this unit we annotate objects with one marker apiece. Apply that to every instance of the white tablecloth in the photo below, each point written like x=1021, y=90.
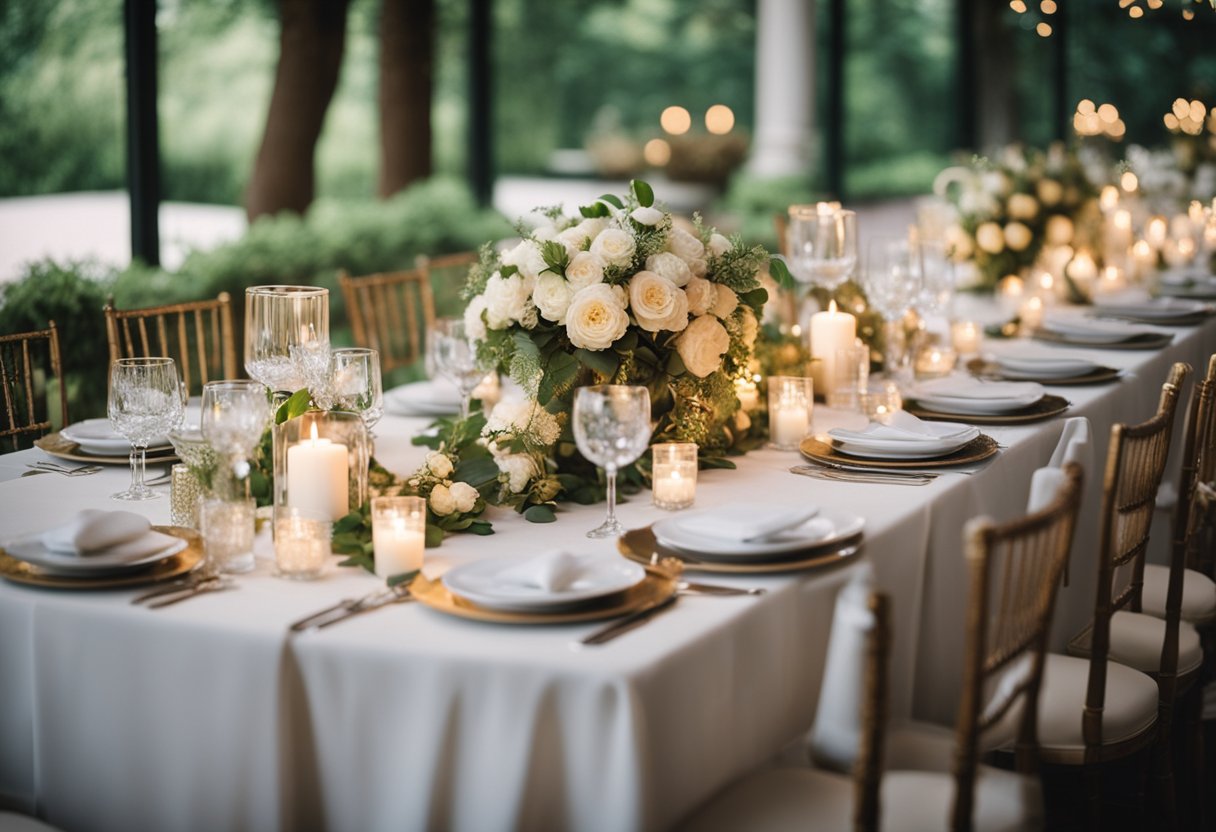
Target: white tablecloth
x=207, y=716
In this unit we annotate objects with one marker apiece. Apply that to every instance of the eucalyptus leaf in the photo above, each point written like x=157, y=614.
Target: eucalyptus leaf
x=297, y=405
x=780, y=273
x=403, y=578
x=613, y=200
x=540, y=514
x=643, y=192
x=434, y=536
x=604, y=362
x=675, y=364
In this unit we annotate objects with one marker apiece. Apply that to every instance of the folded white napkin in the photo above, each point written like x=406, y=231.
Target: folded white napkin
x=1073, y=445
x=749, y=521
x=901, y=426
x=1045, y=485
x=553, y=571
x=968, y=387
x=119, y=535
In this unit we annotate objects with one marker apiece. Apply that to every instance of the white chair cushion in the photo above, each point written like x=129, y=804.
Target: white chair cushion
x=911, y=801
x=1130, y=708
x=1198, y=594
x=919, y=746
x=1136, y=638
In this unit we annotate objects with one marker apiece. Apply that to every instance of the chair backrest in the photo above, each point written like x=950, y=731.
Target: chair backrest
x=1194, y=518
x=1015, y=570
x=447, y=269
x=1135, y=464
x=196, y=334
x=25, y=390
x=390, y=313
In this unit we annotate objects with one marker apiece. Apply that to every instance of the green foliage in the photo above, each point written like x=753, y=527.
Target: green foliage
x=755, y=201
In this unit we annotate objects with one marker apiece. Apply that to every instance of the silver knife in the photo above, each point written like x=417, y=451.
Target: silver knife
x=216, y=585
x=174, y=587
x=308, y=621
x=630, y=621
x=885, y=472
x=717, y=589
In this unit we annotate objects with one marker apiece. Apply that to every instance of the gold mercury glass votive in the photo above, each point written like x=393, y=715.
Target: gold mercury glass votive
x=674, y=475
x=398, y=534
x=227, y=527
x=301, y=543
x=934, y=361
x=184, y=491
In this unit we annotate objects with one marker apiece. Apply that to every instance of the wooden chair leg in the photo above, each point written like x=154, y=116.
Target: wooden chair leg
x=1093, y=795
x=1163, y=765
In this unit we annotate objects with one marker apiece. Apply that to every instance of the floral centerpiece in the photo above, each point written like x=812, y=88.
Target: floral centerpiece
x=1012, y=205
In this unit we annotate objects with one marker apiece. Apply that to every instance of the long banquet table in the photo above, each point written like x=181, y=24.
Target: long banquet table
x=207, y=715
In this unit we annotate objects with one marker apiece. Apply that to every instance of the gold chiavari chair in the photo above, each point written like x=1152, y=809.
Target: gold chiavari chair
x=447, y=269
x=390, y=313
x=1015, y=570
x=196, y=334
x=25, y=391
x=1101, y=704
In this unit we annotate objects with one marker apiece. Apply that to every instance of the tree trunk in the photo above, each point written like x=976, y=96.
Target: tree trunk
x=407, y=29
x=311, y=41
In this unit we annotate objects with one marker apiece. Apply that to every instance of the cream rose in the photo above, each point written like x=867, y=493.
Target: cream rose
x=1023, y=207
x=669, y=266
x=725, y=301
x=527, y=258
x=657, y=303
x=698, y=267
x=464, y=496
x=718, y=245
x=1017, y=236
x=584, y=270
x=441, y=501
x=439, y=465
x=519, y=468
x=596, y=317
x=644, y=215
x=552, y=297
x=990, y=238
x=685, y=246
x=474, y=325
x=701, y=295
x=702, y=345
x=1059, y=230
x=614, y=246
x=508, y=300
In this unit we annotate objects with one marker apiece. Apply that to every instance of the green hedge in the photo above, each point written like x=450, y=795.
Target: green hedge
x=435, y=217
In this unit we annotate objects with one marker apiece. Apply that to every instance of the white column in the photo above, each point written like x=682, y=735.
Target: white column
x=785, y=87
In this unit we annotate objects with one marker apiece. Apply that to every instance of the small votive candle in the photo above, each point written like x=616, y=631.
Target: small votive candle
x=1110, y=282
x=935, y=361
x=966, y=336
x=1009, y=293
x=1031, y=313
x=398, y=534
x=880, y=403
x=790, y=403
x=746, y=392
x=674, y=471
x=301, y=543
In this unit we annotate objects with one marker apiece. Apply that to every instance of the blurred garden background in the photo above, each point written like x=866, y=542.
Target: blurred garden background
x=894, y=91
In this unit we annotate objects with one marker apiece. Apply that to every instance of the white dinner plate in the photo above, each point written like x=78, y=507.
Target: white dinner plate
x=1044, y=367
x=975, y=407
x=1085, y=331
x=31, y=550
x=432, y=397
x=914, y=451
x=598, y=576
x=678, y=533
x=1162, y=309
x=98, y=437
x=858, y=444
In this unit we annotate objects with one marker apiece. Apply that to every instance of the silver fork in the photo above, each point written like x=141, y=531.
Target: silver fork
x=50, y=467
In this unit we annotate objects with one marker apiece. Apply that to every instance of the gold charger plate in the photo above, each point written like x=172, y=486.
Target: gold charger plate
x=977, y=450
x=20, y=572
x=991, y=370
x=1044, y=408
x=652, y=589
x=56, y=445
x=640, y=545
x=1144, y=341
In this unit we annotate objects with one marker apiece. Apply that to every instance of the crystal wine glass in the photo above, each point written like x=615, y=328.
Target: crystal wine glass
x=356, y=382
x=286, y=333
x=145, y=401
x=235, y=414
x=611, y=429
x=456, y=358
x=892, y=283
x=822, y=242
x=937, y=278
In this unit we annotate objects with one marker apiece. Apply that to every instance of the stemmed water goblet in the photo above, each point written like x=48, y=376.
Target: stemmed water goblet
x=455, y=357
x=356, y=383
x=892, y=283
x=822, y=243
x=235, y=414
x=286, y=335
x=144, y=401
x=611, y=429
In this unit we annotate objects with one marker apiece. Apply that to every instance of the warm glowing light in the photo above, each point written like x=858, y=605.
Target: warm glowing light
x=1156, y=4
x=1085, y=107
x=675, y=120
x=1044, y=29
x=1048, y=6
x=1171, y=122
x=1117, y=130
x=1135, y=12
x=1129, y=182
x=1198, y=111
x=1108, y=113
x=1187, y=14
x=1109, y=198
x=719, y=119
x=1018, y=6
x=657, y=153
x=1181, y=108
x=1123, y=4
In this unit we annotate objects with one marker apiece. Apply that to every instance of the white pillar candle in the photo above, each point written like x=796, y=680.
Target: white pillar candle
x=966, y=336
x=317, y=477
x=398, y=534
x=1031, y=313
x=790, y=424
x=831, y=331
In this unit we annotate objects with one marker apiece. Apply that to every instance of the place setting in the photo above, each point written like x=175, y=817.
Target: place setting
x=1162, y=311
x=977, y=401
x=96, y=441
x=1109, y=335
x=1025, y=362
x=1187, y=283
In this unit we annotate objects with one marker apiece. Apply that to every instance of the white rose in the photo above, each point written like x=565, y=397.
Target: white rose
x=519, y=469
x=725, y=301
x=702, y=345
x=552, y=297
x=585, y=269
x=718, y=245
x=1050, y=191
x=439, y=464
x=1017, y=236
x=614, y=246
x=1059, y=230
x=685, y=246
x=596, y=317
x=990, y=238
x=698, y=267
x=463, y=495
x=657, y=303
x=573, y=239
x=508, y=300
x=590, y=227
x=669, y=266
x=646, y=215
x=441, y=501
x=527, y=258
x=474, y=326
x=701, y=295
x=1023, y=207
x=544, y=233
